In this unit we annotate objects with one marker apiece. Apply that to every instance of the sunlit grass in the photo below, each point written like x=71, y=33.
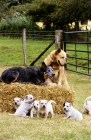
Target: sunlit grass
x=11, y=51
x=13, y=128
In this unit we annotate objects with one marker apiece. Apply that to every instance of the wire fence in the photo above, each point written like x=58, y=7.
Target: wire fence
x=11, y=47
x=76, y=43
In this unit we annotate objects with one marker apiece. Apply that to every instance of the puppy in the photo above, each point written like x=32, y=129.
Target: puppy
x=17, y=102
x=25, y=106
x=45, y=108
x=71, y=112
x=58, y=60
x=35, y=109
x=87, y=106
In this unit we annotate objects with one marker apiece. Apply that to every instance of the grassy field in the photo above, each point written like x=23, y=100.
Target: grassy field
x=13, y=128
x=20, y=128
x=11, y=51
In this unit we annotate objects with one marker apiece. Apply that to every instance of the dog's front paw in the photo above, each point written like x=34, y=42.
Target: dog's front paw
x=59, y=84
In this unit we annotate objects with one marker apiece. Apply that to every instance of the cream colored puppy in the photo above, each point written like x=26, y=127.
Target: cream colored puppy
x=17, y=102
x=35, y=109
x=25, y=106
x=45, y=108
x=87, y=106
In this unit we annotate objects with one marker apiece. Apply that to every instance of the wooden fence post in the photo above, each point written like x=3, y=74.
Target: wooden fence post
x=24, y=45
x=58, y=39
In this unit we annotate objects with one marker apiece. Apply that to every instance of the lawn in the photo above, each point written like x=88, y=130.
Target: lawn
x=20, y=128
x=11, y=51
x=13, y=128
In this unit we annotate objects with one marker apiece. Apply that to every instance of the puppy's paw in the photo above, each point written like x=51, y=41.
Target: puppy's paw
x=10, y=114
x=65, y=118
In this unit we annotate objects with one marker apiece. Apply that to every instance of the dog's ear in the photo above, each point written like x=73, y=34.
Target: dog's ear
x=26, y=97
x=39, y=101
x=58, y=51
x=44, y=65
x=70, y=104
x=67, y=54
x=63, y=104
x=51, y=64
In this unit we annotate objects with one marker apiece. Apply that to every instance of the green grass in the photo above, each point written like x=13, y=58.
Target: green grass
x=20, y=128
x=11, y=52
x=82, y=65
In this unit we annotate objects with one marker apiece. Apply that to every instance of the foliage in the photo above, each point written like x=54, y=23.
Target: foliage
x=54, y=14
x=57, y=13
x=17, y=22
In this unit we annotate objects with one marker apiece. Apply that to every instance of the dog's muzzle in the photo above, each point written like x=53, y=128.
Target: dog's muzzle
x=35, y=107
x=60, y=64
x=53, y=74
x=43, y=106
x=64, y=108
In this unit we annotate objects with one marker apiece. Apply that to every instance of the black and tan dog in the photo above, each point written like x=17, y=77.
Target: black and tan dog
x=33, y=75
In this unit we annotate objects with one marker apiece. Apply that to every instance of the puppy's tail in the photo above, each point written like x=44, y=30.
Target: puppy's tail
x=52, y=101
x=87, y=99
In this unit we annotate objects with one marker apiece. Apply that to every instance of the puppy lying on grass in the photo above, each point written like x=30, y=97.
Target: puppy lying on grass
x=71, y=112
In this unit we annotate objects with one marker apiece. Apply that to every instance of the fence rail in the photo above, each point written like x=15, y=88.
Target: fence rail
x=78, y=45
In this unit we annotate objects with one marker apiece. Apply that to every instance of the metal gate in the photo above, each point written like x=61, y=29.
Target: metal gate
x=78, y=45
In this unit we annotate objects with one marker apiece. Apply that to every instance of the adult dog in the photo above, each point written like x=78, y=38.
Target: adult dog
x=71, y=112
x=33, y=75
x=87, y=106
x=58, y=59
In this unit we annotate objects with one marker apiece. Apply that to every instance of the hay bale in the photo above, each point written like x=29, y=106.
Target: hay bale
x=9, y=91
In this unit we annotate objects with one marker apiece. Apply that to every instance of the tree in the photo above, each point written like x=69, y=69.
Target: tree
x=53, y=13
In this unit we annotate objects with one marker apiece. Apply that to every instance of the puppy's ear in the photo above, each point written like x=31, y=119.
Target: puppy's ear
x=26, y=97
x=70, y=104
x=39, y=101
x=58, y=51
x=63, y=104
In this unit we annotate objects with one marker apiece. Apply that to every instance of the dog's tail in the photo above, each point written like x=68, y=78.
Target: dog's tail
x=52, y=101
x=87, y=99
